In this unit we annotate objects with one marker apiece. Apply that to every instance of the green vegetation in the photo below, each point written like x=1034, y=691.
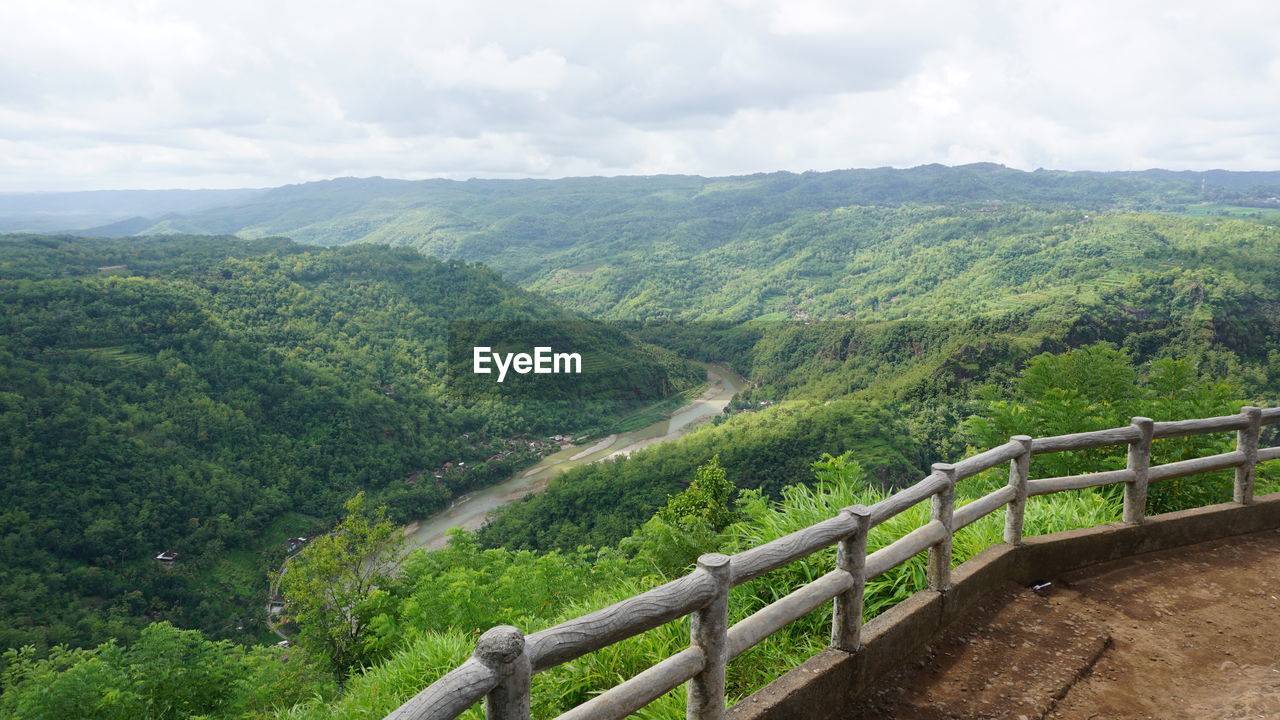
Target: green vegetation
x=424, y=621
x=1156, y=287
x=223, y=395
x=455, y=592
x=220, y=395
x=166, y=674
x=333, y=587
x=851, y=243
x=601, y=503
x=520, y=225
x=1096, y=387
x=1269, y=212
x=649, y=415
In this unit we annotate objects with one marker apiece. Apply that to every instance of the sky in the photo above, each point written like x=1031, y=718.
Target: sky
x=175, y=94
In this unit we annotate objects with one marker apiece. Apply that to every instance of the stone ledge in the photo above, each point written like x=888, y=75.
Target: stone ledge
x=827, y=685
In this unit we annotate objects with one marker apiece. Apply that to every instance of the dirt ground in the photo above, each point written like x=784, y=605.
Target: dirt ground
x=1191, y=634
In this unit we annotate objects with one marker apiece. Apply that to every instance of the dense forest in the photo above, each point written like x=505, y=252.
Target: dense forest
x=973, y=299
x=422, y=622
x=213, y=396
x=531, y=229
x=221, y=393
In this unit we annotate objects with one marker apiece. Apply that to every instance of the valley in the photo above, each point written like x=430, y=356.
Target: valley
x=219, y=395
x=472, y=509
x=509, y=361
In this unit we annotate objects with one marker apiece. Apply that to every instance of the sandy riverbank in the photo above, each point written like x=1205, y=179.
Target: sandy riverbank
x=471, y=510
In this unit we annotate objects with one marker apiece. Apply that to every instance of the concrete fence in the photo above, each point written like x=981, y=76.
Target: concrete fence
x=500, y=670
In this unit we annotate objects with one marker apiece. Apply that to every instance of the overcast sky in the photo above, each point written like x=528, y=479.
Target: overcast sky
x=163, y=94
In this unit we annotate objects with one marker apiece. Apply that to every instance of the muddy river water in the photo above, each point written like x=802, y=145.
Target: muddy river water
x=469, y=511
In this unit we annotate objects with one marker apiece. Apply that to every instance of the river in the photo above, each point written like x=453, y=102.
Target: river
x=469, y=511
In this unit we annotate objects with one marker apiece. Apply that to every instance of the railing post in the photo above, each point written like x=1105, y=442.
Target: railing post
x=709, y=631
x=1139, y=462
x=942, y=508
x=1247, y=443
x=502, y=648
x=1019, y=472
x=851, y=557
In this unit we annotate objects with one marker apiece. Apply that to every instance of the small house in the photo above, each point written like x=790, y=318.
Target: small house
x=165, y=559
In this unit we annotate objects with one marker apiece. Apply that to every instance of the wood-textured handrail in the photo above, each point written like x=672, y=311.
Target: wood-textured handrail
x=988, y=459
x=1084, y=440
x=904, y=548
x=777, y=615
x=451, y=695
x=499, y=669
x=630, y=695
x=1183, y=428
x=972, y=512
x=1045, y=486
x=577, y=637
x=907, y=497
x=751, y=564
x=1183, y=468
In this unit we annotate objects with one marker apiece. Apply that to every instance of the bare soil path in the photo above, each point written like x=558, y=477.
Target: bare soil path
x=1192, y=633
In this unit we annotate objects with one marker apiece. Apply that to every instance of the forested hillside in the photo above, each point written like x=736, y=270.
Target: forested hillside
x=531, y=229
x=921, y=313
x=423, y=622
x=917, y=262
x=213, y=396
x=930, y=242
x=885, y=320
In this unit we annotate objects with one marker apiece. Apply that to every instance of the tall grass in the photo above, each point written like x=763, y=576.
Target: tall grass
x=427, y=655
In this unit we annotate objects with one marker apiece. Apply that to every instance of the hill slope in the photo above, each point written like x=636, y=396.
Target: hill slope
x=913, y=312
x=836, y=244
x=213, y=396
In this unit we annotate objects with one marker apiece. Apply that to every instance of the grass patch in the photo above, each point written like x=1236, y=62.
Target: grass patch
x=239, y=578
x=658, y=411
x=289, y=525
x=1230, y=211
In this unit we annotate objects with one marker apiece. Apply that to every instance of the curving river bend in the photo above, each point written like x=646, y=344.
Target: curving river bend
x=469, y=511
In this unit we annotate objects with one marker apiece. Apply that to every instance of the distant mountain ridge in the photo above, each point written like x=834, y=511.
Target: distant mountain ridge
x=345, y=210
x=65, y=211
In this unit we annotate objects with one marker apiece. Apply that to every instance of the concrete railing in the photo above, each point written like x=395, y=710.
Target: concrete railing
x=499, y=671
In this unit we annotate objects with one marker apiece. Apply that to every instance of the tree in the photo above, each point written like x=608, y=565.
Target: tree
x=706, y=500
x=689, y=524
x=1097, y=387
x=332, y=588
x=167, y=674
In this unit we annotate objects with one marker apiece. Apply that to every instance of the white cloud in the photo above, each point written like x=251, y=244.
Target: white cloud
x=98, y=94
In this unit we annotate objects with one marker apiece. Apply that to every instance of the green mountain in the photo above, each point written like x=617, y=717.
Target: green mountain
x=527, y=229
x=860, y=244
x=906, y=289
x=891, y=317
x=213, y=396
x=910, y=314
